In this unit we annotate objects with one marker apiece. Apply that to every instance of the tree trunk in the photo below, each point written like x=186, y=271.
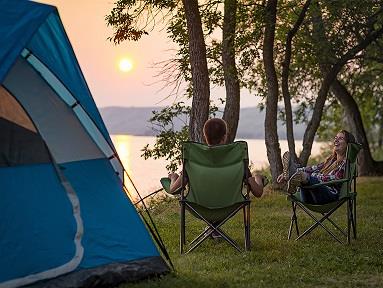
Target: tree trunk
x=232, y=106
x=325, y=55
x=271, y=133
x=314, y=122
x=285, y=81
x=200, y=77
x=367, y=165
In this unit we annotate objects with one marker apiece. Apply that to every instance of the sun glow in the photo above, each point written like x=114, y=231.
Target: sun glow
x=125, y=65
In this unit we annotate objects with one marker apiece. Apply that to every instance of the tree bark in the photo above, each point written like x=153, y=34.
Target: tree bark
x=330, y=73
x=200, y=77
x=314, y=122
x=232, y=106
x=367, y=165
x=271, y=133
x=285, y=81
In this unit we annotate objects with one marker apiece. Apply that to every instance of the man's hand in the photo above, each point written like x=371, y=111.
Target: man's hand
x=281, y=179
x=173, y=176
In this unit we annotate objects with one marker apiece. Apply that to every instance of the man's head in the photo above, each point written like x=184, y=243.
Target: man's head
x=215, y=131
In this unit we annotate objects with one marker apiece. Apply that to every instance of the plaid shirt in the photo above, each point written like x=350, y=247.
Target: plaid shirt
x=336, y=174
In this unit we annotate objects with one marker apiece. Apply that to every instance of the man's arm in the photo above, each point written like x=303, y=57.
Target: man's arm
x=175, y=182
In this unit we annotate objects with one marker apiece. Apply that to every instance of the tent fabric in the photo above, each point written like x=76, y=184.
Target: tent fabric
x=51, y=37
x=11, y=110
x=109, y=218
x=64, y=213
x=46, y=226
x=20, y=146
x=18, y=23
x=57, y=127
x=27, y=24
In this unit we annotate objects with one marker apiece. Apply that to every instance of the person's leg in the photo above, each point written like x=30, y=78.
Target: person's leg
x=320, y=195
x=298, y=179
x=306, y=195
x=288, y=165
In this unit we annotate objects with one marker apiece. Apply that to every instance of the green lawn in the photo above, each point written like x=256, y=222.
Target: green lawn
x=314, y=261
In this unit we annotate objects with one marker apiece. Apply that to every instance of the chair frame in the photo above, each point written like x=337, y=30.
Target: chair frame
x=185, y=205
x=350, y=199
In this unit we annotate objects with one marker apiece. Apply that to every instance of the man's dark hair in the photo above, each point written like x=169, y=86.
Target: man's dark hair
x=215, y=130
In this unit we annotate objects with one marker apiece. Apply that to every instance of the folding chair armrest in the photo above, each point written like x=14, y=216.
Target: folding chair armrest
x=328, y=183
x=165, y=182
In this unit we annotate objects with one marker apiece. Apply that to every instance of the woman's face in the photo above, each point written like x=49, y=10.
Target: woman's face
x=340, y=144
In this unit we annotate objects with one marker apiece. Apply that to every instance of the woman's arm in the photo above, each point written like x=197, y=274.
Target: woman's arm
x=312, y=169
x=336, y=174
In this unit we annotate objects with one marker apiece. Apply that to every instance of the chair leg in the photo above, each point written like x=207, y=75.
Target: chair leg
x=182, y=228
x=203, y=233
x=352, y=212
x=349, y=217
x=335, y=225
x=213, y=227
x=294, y=220
x=248, y=225
x=245, y=223
x=319, y=222
x=354, y=222
x=246, y=216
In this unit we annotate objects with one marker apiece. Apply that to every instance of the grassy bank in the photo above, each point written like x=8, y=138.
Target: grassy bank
x=315, y=261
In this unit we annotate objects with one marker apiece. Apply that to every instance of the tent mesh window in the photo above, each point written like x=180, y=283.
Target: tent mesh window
x=19, y=141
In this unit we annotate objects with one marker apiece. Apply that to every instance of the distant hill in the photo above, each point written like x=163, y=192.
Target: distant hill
x=134, y=121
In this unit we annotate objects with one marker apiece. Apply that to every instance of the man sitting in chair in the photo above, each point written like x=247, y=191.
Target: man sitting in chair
x=215, y=133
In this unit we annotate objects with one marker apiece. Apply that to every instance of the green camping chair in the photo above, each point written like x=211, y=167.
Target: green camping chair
x=212, y=189
x=347, y=195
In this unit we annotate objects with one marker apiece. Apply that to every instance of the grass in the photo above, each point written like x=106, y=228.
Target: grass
x=314, y=261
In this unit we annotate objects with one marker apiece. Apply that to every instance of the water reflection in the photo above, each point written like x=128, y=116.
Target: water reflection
x=146, y=174
x=124, y=150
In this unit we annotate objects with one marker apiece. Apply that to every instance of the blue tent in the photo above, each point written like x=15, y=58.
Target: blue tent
x=64, y=213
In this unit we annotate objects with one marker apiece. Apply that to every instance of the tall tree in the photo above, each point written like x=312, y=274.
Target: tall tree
x=200, y=77
x=126, y=19
x=271, y=134
x=232, y=107
x=285, y=79
x=367, y=166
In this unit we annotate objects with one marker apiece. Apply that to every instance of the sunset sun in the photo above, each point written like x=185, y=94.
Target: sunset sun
x=125, y=65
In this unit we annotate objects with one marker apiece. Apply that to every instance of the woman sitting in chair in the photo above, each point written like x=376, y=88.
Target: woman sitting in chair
x=215, y=133
x=333, y=168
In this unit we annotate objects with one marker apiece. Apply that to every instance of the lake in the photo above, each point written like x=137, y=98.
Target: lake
x=147, y=173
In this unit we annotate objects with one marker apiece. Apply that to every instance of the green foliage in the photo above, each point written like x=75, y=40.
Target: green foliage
x=332, y=121
x=274, y=261
x=169, y=141
x=133, y=18
x=346, y=23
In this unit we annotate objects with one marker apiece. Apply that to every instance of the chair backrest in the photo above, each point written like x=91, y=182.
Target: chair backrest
x=351, y=168
x=215, y=173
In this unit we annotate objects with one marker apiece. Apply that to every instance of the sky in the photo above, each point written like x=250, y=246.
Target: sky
x=84, y=21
